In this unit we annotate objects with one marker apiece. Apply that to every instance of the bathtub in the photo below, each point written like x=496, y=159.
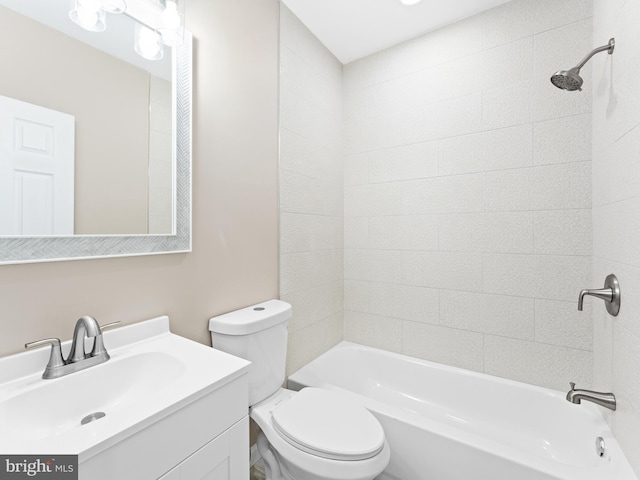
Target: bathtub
x=446, y=423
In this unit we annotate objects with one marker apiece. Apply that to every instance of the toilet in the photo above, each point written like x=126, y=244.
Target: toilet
x=313, y=434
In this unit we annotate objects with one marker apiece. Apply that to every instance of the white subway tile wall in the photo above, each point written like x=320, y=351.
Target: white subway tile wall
x=467, y=195
x=311, y=192
x=616, y=214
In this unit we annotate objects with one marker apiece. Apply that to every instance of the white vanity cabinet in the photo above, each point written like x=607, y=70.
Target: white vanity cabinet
x=207, y=439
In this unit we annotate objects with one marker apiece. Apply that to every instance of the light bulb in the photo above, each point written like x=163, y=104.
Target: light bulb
x=172, y=34
x=89, y=15
x=148, y=43
x=89, y=5
x=114, y=6
x=87, y=18
x=170, y=16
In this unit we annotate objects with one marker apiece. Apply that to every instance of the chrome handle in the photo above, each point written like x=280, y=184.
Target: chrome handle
x=98, y=345
x=55, y=358
x=605, y=294
x=109, y=325
x=610, y=294
x=46, y=341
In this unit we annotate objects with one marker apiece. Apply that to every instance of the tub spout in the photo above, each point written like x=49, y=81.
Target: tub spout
x=607, y=400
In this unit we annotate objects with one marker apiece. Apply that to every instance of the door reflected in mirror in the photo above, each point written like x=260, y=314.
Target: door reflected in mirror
x=87, y=144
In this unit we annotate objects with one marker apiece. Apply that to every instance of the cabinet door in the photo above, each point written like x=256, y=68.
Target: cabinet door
x=172, y=475
x=226, y=457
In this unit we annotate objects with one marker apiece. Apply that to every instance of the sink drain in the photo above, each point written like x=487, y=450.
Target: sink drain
x=600, y=447
x=92, y=417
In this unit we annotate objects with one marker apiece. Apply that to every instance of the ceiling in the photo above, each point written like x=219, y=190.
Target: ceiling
x=353, y=29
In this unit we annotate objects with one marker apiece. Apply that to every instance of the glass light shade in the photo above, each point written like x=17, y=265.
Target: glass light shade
x=172, y=30
x=114, y=6
x=92, y=5
x=170, y=15
x=409, y=2
x=89, y=15
x=148, y=43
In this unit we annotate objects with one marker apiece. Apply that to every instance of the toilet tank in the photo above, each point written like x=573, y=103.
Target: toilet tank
x=259, y=334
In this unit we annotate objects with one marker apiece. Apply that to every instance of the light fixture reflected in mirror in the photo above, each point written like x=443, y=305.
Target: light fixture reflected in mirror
x=170, y=16
x=114, y=6
x=148, y=43
x=171, y=31
x=158, y=22
x=88, y=14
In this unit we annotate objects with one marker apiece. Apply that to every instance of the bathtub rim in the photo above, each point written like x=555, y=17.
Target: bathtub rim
x=615, y=462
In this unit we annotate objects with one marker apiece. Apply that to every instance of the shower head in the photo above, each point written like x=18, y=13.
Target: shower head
x=571, y=80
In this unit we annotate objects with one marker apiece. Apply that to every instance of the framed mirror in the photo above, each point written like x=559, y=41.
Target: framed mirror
x=118, y=123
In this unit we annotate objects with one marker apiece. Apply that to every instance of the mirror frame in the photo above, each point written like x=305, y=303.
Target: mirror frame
x=45, y=249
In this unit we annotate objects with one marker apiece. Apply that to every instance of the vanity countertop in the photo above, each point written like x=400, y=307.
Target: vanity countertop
x=152, y=373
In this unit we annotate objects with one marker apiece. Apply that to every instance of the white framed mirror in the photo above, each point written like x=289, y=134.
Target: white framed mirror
x=128, y=134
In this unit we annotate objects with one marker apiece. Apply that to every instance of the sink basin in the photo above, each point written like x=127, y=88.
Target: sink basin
x=50, y=408
x=151, y=374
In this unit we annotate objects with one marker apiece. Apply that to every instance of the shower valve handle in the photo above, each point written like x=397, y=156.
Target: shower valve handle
x=610, y=293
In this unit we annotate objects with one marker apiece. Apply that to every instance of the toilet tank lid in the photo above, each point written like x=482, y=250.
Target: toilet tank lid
x=251, y=319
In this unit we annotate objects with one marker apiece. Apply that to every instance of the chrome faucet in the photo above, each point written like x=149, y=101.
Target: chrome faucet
x=607, y=400
x=610, y=293
x=78, y=359
x=85, y=327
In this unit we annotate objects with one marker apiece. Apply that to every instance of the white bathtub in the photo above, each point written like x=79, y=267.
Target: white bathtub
x=445, y=423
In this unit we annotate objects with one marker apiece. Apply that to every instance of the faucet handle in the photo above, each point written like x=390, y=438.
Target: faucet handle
x=610, y=293
x=109, y=325
x=572, y=385
x=98, y=349
x=45, y=341
x=55, y=358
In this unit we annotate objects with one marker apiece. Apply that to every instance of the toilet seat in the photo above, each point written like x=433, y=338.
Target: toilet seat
x=327, y=425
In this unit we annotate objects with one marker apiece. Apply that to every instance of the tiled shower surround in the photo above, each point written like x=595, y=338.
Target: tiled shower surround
x=311, y=191
x=616, y=214
x=466, y=200
x=468, y=195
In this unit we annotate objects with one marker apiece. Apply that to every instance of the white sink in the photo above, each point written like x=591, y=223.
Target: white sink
x=151, y=374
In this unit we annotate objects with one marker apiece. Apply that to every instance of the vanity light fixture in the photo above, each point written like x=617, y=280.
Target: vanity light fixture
x=171, y=29
x=89, y=14
x=410, y=2
x=114, y=6
x=158, y=22
x=170, y=15
x=148, y=43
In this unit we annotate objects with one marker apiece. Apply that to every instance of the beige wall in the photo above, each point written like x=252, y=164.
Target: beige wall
x=50, y=69
x=235, y=221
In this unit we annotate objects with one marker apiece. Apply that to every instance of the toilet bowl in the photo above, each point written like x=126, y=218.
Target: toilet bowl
x=317, y=434
x=313, y=434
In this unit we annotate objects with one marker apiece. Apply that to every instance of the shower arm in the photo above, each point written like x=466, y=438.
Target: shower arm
x=608, y=47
